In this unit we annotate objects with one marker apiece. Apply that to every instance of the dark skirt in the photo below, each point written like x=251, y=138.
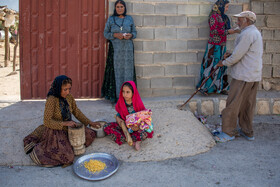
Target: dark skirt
x=109, y=84
x=115, y=131
x=218, y=82
x=48, y=147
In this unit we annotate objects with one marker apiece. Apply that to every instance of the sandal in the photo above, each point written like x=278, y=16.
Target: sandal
x=244, y=135
x=223, y=137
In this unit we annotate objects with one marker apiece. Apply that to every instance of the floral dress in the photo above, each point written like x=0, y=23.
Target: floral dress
x=115, y=131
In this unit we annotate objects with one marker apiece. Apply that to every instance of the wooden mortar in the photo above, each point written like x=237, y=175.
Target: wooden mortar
x=77, y=138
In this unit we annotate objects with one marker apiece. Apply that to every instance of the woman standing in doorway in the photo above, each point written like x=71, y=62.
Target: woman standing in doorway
x=119, y=30
x=219, y=24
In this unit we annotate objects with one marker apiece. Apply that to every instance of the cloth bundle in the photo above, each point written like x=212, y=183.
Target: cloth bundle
x=141, y=120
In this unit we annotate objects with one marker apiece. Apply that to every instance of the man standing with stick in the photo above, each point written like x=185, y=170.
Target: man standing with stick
x=246, y=72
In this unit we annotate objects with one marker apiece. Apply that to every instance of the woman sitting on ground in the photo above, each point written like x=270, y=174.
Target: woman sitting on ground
x=48, y=145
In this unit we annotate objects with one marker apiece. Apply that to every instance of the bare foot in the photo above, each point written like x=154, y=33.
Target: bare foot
x=137, y=145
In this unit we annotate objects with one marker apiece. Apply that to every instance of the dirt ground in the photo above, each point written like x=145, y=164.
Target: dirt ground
x=169, y=142
x=9, y=80
x=236, y=163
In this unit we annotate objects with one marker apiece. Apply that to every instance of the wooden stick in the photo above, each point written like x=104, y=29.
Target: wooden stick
x=126, y=133
x=181, y=107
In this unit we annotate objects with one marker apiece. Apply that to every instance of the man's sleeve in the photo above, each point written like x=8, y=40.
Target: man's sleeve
x=239, y=51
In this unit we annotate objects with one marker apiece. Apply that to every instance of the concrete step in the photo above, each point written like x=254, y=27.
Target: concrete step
x=268, y=103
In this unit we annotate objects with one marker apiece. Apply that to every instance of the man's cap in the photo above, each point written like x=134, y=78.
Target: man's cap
x=247, y=14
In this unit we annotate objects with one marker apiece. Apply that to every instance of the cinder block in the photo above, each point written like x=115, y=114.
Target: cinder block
x=273, y=21
x=186, y=57
x=276, y=59
x=165, y=8
x=234, y=9
x=188, y=9
x=230, y=45
x=150, y=20
x=143, y=83
x=267, y=71
x=129, y=9
x=261, y=21
x=176, y=45
x=139, y=71
x=185, y=91
x=175, y=70
x=153, y=71
x=138, y=20
x=203, y=32
x=177, y=21
x=231, y=37
x=267, y=58
x=144, y=92
x=205, y=9
x=276, y=34
x=165, y=33
x=266, y=85
x=138, y=45
x=262, y=108
x=187, y=33
x=207, y=108
x=200, y=56
x=143, y=8
x=197, y=44
x=267, y=34
x=183, y=82
x=164, y=58
x=198, y=21
x=193, y=106
x=143, y=58
x=193, y=69
x=222, y=105
x=203, y=1
x=276, y=107
x=272, y=46
x=111, y=8
x=276, y=72
x=257, y=7
x=163, y=92
x=144, y=33
x=271, y=8
x=154, y=46
x=164, y=82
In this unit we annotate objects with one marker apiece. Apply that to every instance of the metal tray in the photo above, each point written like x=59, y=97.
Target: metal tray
x=110, y=161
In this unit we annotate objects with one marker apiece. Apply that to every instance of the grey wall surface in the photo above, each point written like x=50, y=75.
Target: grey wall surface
x=172, y=36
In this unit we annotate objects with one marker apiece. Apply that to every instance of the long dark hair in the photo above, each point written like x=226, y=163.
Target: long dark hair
x=123, y=3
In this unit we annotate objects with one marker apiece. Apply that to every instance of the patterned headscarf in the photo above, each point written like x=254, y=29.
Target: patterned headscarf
x=219, y=7
x=136, y=102
x=55, y=91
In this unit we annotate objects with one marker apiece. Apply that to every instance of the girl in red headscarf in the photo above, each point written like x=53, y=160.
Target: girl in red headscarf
x=129, y=102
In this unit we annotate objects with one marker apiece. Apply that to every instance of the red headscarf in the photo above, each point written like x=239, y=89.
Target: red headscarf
x=136, y=102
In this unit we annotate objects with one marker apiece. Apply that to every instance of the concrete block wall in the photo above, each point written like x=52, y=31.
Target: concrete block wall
x=268, y=21
x=172, y=36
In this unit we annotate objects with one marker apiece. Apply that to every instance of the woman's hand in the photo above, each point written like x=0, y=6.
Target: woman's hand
x=226, y=55
x=69, y=124
x=220, y=64
x=127, y=36
x=118, y=35
x=119, y=120
x=233, y=31
x=95, y=125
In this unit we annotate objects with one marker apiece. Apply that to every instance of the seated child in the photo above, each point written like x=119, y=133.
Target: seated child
x=129, y=102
